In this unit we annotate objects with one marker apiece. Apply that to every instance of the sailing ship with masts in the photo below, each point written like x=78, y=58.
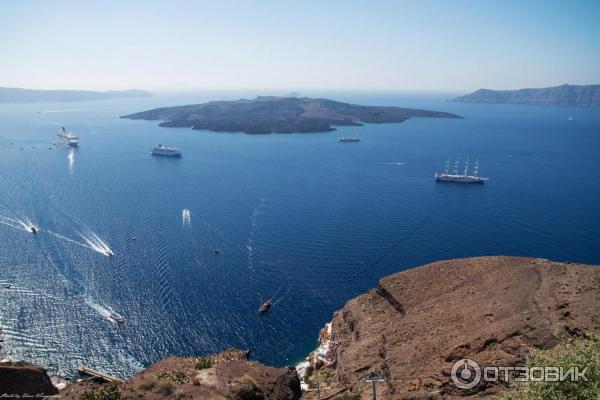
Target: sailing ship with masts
x=446, y=176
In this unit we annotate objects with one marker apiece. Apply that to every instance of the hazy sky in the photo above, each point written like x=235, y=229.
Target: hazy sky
x=371, y=45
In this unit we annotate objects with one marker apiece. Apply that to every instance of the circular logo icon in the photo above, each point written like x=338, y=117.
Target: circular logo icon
x=465, y=374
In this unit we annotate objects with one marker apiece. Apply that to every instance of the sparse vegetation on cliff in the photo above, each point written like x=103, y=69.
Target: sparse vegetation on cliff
x=107, y=393
x=580, y=352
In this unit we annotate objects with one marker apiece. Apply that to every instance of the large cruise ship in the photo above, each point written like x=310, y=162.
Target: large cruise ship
x=460, y=178
x=67, y=138
x=353, y=138
x=160, y=150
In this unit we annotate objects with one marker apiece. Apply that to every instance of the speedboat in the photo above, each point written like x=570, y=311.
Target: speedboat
x=216, y=251
x=33, y=229
x=265, y=306
x=116, y=318
x=7, y=286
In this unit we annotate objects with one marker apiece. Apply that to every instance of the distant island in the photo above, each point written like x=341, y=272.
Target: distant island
x=269, y=114
x=18, y=95
x=564, y=95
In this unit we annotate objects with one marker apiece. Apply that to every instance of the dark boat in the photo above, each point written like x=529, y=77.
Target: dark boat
x=116, y=318
x=216, y=251
x=265, y=306
x=7, y=286
x=33, y=230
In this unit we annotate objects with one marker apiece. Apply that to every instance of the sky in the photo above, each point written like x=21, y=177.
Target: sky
x=299, y=45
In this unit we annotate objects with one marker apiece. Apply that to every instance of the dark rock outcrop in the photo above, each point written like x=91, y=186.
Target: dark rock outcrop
x=267, y=114
x=24, y=380
x=564, y=95
x=417, y=323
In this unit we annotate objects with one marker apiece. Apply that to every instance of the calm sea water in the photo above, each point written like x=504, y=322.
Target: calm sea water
x=300, y=217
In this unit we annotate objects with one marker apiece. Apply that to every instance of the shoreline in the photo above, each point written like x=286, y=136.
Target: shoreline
x=319, y=354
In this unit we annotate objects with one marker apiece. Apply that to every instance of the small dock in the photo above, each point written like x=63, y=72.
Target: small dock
x=97, y=374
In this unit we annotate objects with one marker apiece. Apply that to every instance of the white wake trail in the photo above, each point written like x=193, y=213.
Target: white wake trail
x=23, y=223
x=96, y=244
x=99, y=308
x=61, y=237
x=3, y=222
x=186, y=216
x=88, y=245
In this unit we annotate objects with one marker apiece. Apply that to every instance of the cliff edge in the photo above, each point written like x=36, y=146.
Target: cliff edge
x=417, y=323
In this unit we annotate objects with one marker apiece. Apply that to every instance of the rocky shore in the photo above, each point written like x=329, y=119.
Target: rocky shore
x=409, y=331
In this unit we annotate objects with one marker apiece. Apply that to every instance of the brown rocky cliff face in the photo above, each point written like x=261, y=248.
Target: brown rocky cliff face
x=417, y=323
x=24, y=380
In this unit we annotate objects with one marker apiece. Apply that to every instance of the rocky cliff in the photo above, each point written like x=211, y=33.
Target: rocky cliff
x=24, y=380
x=417, y=323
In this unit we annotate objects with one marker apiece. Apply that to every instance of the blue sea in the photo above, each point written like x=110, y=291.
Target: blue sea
x=302, y=218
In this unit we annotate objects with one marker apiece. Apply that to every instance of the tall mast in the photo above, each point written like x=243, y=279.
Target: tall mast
x=477, y=167
x=447, y=166
x=467, y=167
x=456, y=167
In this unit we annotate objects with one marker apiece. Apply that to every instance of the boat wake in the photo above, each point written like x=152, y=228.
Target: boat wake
x=22, y=223
x=393, y=163
x=96, y=244
x=93, y=243
x=91, y=240
x=104, y=312
x=252, y=233
x=60, y=111
x=276, y=299
x=71, y=158
x=9, y=223
x=186, y=216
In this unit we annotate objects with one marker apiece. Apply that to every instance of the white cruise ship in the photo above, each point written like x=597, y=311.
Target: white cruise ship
x=67, y=138
x=460, y=178
x=353, y=138
x=160, y=150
